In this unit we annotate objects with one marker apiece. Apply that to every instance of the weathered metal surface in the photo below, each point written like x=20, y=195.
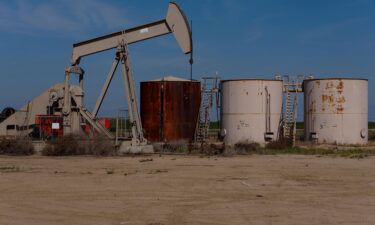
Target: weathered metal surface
x=45, y=129
x=175, y=22
x=17, y=123
x=246, y=111
x=151, y=110
x=169, y=110
x=336, y=110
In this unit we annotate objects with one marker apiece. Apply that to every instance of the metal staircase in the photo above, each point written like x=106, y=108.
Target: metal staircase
x=292, y=85
x=210, y=89
x=123, y=128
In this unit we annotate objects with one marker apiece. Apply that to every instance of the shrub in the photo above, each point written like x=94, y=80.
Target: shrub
x=100, y=146
x=278, y=145
x=16, y=146
x=246, y=147
x=62, y=146
x=176, y=147
x=73, y=145
x=212, y=149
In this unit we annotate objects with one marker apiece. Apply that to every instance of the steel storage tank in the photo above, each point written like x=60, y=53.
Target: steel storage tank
x=250, y=110
x=170, y=108
x=336, y=110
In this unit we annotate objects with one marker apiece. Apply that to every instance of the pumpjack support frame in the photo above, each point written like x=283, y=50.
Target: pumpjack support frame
x=175, y=22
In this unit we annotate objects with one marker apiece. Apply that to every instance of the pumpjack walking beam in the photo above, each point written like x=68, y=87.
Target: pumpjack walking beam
x=175, y=22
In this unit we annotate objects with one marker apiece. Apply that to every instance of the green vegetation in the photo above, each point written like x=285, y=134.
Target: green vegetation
x=215, y=125
x=275, y=148
x=300, y=125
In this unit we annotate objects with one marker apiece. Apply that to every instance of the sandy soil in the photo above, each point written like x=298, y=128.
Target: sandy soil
x=187, y=190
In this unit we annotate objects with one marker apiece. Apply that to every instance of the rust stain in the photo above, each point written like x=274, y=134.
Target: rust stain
x=329, y=85
x=340, y=99
x=333, y=103
x=330, y=99
x=324, y=98
x=340, y=87
x=340, y=109
x=318, y=83
x=169, y=109
x=312, y=107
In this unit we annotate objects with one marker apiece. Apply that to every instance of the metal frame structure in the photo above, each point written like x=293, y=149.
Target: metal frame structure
x=209, y=90
x=175, y=23
x=292, y=85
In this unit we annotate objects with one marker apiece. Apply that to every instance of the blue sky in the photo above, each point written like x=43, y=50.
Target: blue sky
x=238, y=39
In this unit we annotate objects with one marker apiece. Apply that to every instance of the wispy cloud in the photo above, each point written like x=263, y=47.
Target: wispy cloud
x=65, y=17
x=253, y=35
x=332, y=32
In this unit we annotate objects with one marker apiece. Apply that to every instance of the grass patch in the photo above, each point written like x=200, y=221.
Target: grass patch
x=371, y=125
x=10, y=169
x=278, y=145
x=158, y=171
x=209, y=149
x=351, y=153
x=110, y=171
x=172, y=147
x=283, y=148
x=371, y=135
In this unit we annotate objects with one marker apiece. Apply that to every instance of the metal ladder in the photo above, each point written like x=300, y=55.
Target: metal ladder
x=292, y=86
x=209, y=88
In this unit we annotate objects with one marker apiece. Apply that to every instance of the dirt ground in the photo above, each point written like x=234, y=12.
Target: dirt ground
x=187, y=190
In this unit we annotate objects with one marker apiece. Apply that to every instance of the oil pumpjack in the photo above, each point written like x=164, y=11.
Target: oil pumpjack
x=66, y=100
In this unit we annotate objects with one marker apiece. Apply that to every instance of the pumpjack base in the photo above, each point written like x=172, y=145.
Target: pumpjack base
x=126, y=147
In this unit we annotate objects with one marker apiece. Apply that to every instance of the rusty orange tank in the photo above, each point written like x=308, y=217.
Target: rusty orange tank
x=170, y=108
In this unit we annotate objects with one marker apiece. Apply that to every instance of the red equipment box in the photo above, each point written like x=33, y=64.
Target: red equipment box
x=50, y=126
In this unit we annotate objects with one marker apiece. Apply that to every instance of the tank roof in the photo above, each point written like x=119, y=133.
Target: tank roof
x=336, y=78
x=172, y=78
x=251, y=80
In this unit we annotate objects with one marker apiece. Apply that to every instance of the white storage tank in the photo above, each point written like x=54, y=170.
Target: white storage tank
x=336, y=110
x=250, y=110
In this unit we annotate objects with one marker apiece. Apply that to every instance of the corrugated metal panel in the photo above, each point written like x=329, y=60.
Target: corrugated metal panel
x=336, y=110
x=169, y=110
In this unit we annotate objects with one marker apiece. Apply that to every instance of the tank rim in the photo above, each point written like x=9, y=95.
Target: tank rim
x=335, y=78
x=178, y=81
x=250, y=79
